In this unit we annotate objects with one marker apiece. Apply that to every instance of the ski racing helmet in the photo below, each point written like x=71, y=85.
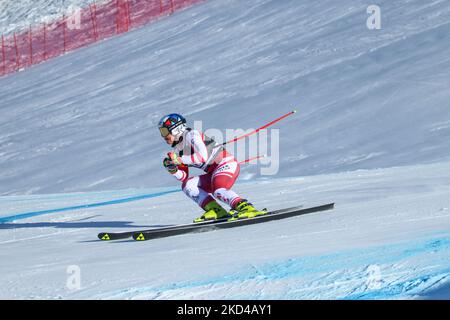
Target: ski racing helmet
x=173, y=124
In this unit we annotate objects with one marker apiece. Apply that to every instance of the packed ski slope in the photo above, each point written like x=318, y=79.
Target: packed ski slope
x=388, y=238
x=79, y=154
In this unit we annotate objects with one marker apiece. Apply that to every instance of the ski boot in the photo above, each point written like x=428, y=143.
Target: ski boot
x=245, y=210
x=214, y=211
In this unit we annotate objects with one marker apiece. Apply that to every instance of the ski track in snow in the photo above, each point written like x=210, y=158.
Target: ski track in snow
x=79, y=154
x=390, y=244
x=316, y=277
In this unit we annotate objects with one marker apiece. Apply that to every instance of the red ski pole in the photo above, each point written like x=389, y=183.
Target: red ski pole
x=254, y=132
x=258, y=130
x=252, y=159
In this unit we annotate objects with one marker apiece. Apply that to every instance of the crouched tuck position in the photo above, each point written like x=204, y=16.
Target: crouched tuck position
x=192, y=148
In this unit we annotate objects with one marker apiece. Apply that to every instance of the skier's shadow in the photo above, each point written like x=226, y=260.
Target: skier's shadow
x=78, y=225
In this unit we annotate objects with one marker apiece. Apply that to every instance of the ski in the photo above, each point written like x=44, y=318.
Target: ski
x=109, y=236
x=205, y=227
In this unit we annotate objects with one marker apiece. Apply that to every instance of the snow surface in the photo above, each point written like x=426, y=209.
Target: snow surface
x=18, y=15
x=79, y=154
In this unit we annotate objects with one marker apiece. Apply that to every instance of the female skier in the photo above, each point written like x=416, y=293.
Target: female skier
x=193, y=149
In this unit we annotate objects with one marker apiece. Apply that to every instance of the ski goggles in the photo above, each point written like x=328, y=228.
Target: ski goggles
x=164, y=132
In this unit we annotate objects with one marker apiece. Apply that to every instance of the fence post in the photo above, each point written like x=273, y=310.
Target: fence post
x=64, y=23
x=160, y=7
x=94, y=20
x=122, y=16
x=117, y=16
x=3, y=55
x=31, y=46
x=127, y=8
x=171, y=6
x=45, y=41
x=17, y=52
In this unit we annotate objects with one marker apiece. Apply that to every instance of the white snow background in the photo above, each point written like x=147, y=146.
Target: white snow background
x=80, y=154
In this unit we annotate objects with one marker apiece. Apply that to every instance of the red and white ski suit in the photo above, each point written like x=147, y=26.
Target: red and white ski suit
x=221, y=169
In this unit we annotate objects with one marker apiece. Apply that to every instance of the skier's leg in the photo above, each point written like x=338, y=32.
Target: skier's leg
x=223, y=180
x=193, y=190
x=198, y=189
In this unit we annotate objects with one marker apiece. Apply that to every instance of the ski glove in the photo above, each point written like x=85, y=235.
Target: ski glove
x=176, y=160
x=170, y=166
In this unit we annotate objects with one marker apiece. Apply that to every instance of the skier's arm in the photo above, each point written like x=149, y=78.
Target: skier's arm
x=180, y=172
x=200, y=155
